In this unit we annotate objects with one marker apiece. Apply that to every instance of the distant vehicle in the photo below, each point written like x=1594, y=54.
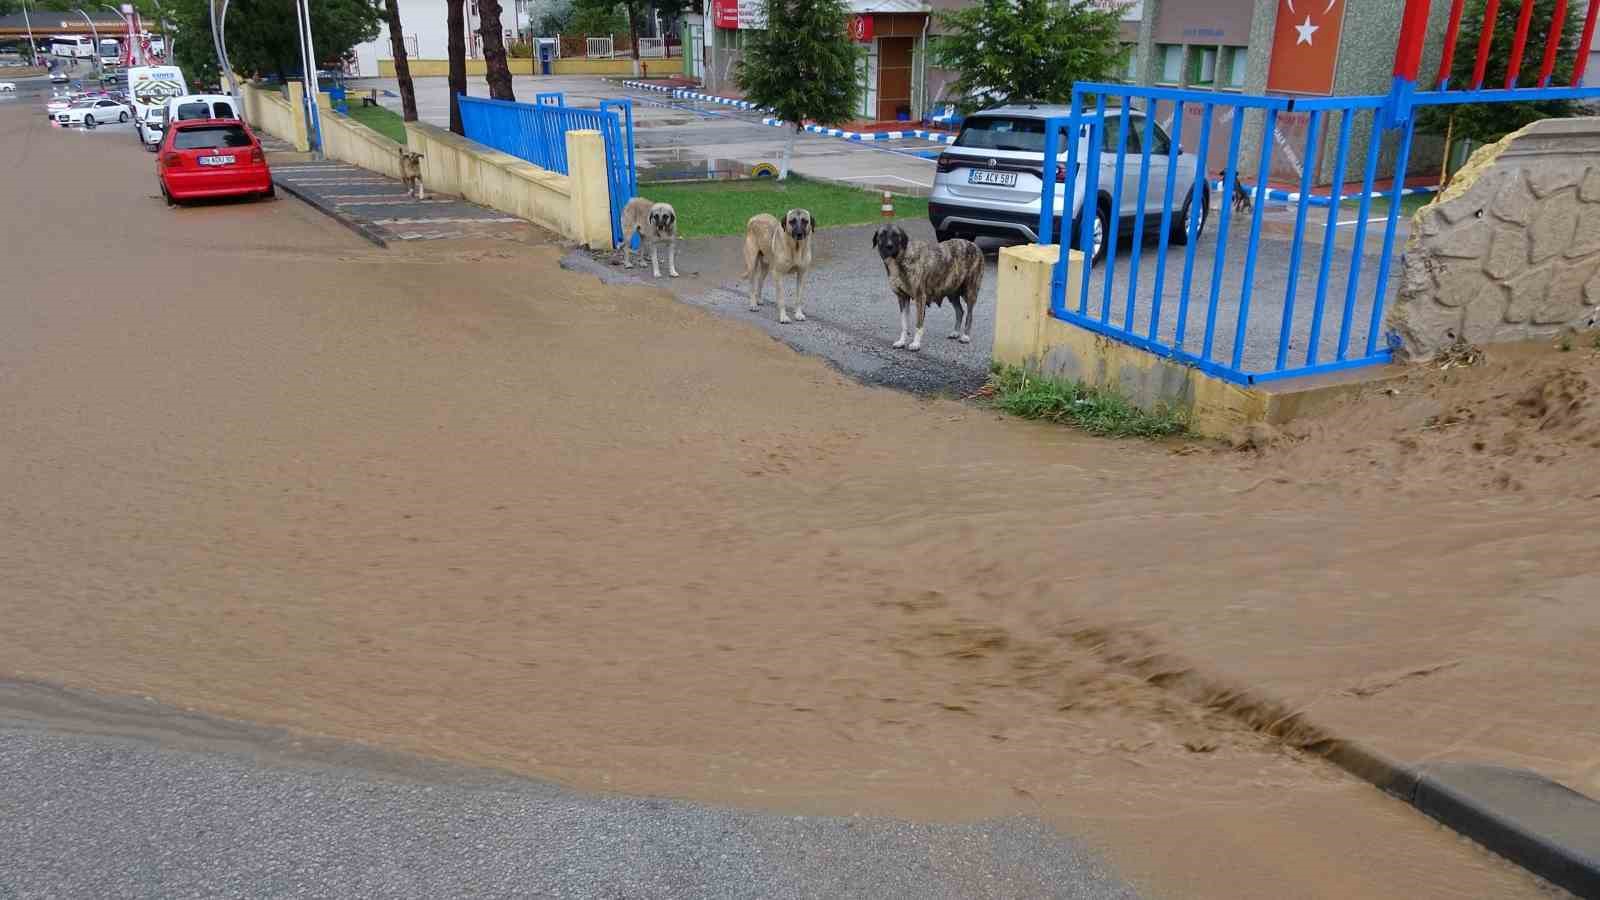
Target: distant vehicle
x=110, y=52
x=202, y=158
x=7, y=87
x=151, y=87
x=59, y=77
x=59, y=104
x=72, y=46
x=92, y=113
x=201, y=106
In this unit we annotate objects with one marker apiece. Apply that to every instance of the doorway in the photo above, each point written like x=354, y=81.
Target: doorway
x=894, y=77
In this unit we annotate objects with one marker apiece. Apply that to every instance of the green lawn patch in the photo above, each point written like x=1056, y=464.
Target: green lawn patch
x=1409, y=204
x=707, y=208
x=1020, y=392
x=385, y=122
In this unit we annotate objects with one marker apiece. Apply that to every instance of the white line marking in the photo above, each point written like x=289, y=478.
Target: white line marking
x=895, y=177
x=1369, y=221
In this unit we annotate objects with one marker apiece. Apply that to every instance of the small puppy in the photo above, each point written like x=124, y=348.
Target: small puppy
x=927, y=273
x=656, y=224
x=1241, y=198
x=778, y=249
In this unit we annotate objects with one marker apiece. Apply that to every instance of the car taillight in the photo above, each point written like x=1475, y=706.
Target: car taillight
x=171, y=160
x=946, y=163
x=1061, y=174
x=256, y=156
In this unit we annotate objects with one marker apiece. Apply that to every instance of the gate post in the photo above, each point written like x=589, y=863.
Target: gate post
x=591, y=195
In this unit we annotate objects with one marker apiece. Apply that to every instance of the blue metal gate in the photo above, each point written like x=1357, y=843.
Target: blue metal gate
x=537, y=132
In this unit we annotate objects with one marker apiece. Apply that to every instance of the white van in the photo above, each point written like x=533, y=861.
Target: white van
x=202, y=106
x=150, y=87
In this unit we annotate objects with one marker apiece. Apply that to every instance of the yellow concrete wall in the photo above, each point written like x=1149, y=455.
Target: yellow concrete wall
x=266, y=110
x=350, y=141
x=440, y=68
x=594, y=67
x=575, y=205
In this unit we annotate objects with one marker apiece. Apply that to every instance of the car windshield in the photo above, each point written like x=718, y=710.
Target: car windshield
x=211, y=137
x=1002, y=133
x=193, y=111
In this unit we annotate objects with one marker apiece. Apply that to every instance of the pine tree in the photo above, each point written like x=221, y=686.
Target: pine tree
x=802, y=65
x=1014, y=50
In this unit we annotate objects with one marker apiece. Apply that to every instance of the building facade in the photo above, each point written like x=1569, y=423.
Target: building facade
x=427, y=37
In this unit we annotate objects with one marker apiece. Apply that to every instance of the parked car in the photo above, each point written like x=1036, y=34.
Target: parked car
x=202, y=158
x=201, y=106
x=90, y=113
x=990, y=181
x=7, y=87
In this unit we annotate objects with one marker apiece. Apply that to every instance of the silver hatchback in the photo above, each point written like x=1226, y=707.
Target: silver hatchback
x=990, y=181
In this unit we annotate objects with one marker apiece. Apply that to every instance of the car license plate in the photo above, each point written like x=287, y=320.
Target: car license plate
x=216, y=160
x=1001, y=179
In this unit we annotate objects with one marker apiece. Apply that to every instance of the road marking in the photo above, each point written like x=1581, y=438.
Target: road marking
x=874, y=177
x=1369, y=221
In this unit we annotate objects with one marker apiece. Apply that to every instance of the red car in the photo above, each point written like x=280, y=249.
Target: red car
x=201, y=158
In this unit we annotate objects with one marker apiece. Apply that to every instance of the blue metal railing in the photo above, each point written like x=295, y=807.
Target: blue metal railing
x=537, y=132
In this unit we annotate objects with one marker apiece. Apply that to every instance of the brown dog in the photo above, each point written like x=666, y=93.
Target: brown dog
x=926, y=273
x=778, y=249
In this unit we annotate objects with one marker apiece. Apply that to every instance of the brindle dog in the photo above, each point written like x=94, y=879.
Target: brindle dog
x=924, y=273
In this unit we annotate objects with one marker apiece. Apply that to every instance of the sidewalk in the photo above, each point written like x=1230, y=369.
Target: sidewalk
x=379, y=209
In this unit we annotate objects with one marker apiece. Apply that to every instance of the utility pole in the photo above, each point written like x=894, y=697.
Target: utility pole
x=127, y=25
x=308, y=57
x=33, y=48
x=219, y=21
x=166, y=39
x=94, y=54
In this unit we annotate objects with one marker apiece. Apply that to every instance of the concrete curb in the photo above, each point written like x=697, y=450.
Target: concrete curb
x=373, y=233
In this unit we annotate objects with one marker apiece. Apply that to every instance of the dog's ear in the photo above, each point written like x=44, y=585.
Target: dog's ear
x=875, y=239
x=813, y=221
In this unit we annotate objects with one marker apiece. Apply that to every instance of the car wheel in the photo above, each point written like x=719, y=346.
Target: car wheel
x=166, y=196
x=271, y=194
x=1180, y=225
x=941, y=235
x=1102, y=225
x=88, y=121
x=122, y=117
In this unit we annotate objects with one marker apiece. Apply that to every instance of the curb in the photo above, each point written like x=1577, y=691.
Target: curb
x=687, y=94
x=373, y=233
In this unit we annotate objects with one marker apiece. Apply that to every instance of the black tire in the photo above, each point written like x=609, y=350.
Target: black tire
x=271, y=193
x=122, y=117
x=1102, y=214
x=940, y=235
x=167, y=197
x=1180, y=225
x=88, y=121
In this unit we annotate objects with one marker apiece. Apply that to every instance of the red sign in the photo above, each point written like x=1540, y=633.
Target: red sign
x=1305, y=46
x=725, y=13
x=861, y=28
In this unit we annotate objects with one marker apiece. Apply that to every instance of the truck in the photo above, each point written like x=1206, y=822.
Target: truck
x=149, y=88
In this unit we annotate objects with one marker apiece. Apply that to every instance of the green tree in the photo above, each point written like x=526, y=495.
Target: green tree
x=262, y=37
x=1489, y=122
x=595, y=18
x=495, y=69
x=402, y=63
x=802, y=65
x=1036, y=50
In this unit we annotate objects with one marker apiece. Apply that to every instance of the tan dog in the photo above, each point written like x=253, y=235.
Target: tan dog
x=770, y=247
x=655, y=224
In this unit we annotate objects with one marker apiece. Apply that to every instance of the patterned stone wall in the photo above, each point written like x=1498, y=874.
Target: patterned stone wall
x=1511, y=251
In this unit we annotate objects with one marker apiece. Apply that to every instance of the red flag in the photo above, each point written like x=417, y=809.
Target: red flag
x=1305, y=46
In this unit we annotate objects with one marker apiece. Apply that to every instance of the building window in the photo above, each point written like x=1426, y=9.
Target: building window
x=1234, y=60
x=1130, y=62
x=1202, y=69
x=1170, y=60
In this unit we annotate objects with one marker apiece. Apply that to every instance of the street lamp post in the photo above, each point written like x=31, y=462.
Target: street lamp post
x=94, y=54
x=126, y=24
x=219, y=22
x=166, y=39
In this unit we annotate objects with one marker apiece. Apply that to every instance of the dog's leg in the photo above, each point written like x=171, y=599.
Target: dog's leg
x=777, y=288
x=799, y=296
x=672, y=257
x=627, y=250
x=757, y=275
x=905, y=322
x=966, y=324
x=655, y=259
x=922, y=312
x=955, y=304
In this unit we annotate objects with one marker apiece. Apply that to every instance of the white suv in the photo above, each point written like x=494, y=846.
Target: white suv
x=990, y=181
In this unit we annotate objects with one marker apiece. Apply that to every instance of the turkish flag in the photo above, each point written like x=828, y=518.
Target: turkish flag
x=1305, y=46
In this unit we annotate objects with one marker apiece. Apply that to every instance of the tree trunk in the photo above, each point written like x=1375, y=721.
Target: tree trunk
x=788, y=154
x=402, y=65
x=496, y=72
x=456, y=47
x=633, y=29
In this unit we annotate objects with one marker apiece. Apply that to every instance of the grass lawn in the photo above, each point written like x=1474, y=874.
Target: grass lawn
x=1409, y=204
x=1024, y=393
x=383, y=121
x=708, y=208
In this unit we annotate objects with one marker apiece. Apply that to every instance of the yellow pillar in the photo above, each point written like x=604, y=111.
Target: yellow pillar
x=591, y=197
x=1022, y=299
x=297, y=113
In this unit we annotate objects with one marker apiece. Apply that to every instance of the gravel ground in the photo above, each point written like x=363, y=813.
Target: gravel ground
x=139, y=811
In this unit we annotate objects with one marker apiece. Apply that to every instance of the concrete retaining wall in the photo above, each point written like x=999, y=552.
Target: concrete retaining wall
x=1511, y=250
x=267, y=110
x=440, y=68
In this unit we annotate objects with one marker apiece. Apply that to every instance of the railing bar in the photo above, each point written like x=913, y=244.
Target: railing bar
x=1557, y=21
x=1307, y=170
x=1047, y=180
x=1401, y=160
x=1138, y=218
x=1247, y=286
x=1358, y=248
x=1219, y=262
x=1330, y=235
x=1451, y=36
x=1166, y=216
x=1091, y=200
x=1058, y=279
x=1115, y=224
x=1201, y=153
x=1518, y=43
x=1485, y=38
x=1585, y=43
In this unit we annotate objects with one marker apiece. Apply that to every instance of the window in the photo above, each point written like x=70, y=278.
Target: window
x=1108, y=138
x=1003, y=133
x=196, y=110
x=1202, y=66
x=1160, y=144
x=1234, y=60
x=210, y=138
x=222, y=110
x=1130, y=62
x=1169, y=58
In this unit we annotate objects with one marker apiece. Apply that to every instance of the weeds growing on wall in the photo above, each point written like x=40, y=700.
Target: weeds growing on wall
x=1030, y=395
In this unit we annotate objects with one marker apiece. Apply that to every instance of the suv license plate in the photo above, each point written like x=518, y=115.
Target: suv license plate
x=216, y=160
x=1002, y=179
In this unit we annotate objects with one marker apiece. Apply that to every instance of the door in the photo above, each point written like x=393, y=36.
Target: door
x=894, y=77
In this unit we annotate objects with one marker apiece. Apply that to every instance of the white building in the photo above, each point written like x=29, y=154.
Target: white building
x=426, y=36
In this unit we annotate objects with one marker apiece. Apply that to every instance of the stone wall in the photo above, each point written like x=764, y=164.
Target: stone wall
x=1511, y=250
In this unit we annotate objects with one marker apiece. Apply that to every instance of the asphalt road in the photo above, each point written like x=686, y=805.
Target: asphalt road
x=109, y=798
